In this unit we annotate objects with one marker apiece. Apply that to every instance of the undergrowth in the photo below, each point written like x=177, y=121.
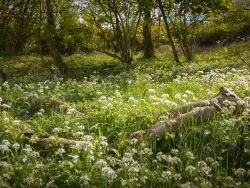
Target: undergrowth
x=104, y=102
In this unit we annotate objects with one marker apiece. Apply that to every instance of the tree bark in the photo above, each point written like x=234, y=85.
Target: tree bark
x=176, y=58
x=51, y=40
x=147, y=37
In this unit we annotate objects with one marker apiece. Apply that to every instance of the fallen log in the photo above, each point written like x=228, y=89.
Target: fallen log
x=193, y=113
x=45, y=139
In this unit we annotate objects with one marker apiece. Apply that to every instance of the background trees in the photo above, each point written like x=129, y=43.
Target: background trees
x=120, y=28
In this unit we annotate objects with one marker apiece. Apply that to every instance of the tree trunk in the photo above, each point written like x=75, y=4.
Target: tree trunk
x=147, y=37
x=51, y=39
x=187, y=47
x=4, y=76
x=176, y=58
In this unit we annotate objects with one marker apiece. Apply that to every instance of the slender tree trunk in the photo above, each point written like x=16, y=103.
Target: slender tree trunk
x=51, y=39
x=186, y=45
x=147, y=37
x=176, y=58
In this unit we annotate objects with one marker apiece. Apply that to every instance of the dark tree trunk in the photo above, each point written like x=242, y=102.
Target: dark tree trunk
x=3, y=75
x=51, y=39
x=147, y=37
x=187, y=48
x=176, y=58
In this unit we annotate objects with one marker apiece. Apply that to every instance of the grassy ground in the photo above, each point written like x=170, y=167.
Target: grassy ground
x=117, y=101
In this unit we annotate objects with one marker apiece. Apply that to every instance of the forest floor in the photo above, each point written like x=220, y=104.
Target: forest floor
x=103, y=101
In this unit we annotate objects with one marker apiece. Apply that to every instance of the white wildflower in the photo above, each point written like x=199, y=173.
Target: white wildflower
x=175, y=151
x=201, y=164
x=177, y=177
x=206, y=184
x=16, y=146
x=60, y=151
x=133, y=141
x=177, y=96
x=190, y=155
x=57, y=130
x=6, y=142
x=167, y=175
x=84, y=180
x=190, y=169
x=6, y=120
x=101, y=163
x=184, y=96
x=186, y=185
x=131, y=99
x=108, y=173
x=16, y=122
x=239, y=172
x=165, y=95
x=4, y=148
x=151, y=91
x=39, y=166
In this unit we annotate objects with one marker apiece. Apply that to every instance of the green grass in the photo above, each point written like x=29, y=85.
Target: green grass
x=116, y=101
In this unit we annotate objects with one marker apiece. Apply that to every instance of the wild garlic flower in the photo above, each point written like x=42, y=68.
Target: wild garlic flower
x=165, y=95
x=4, y=148
x=240, y=172
x=190, y=155
x=206, y=184
x=60, y=151
x=166, y=175
x=133, y=141
x=28, y=180
x=109, y=173
x=39, y=166
x=27, y=149
x=146, y=151
x=15, y=146
x=201, y=164
x=131, y=99
x=101, y=163
x=190, y=169
x=205, y=170
x=175, y=151
x=16, y=122
x=177, y=177
x=84, y=179
x=6, y=165
x=6, y=142
x=186, y=185
x=177, y=96
x=151, y=91
x=161, y=156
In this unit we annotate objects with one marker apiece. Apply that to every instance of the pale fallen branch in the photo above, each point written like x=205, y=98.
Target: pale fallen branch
x=45, y=139
x=192, y=114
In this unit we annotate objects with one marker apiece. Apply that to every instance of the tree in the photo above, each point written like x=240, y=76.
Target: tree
x=121, y=20
x=51, y=39
x=17, y=23
x=148, y=47
x=170, y=38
